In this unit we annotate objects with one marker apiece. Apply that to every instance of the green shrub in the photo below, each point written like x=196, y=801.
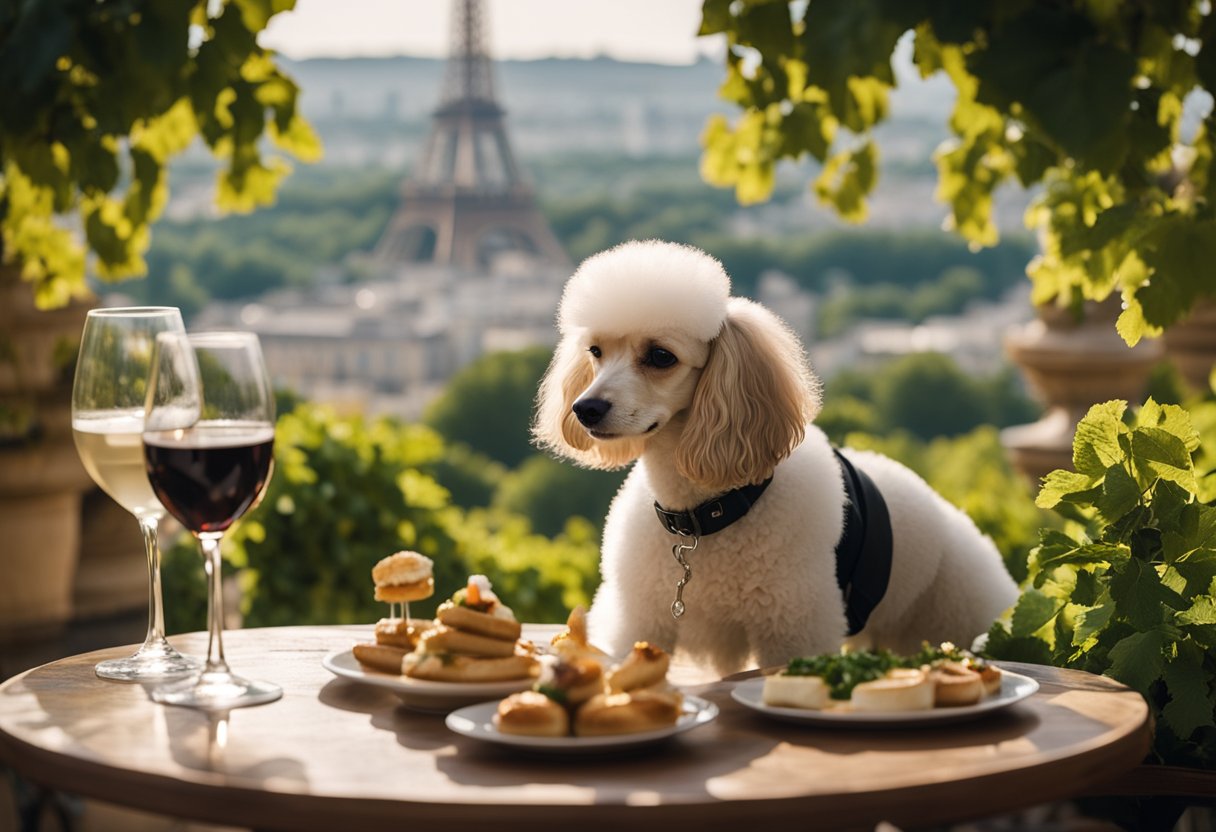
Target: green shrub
x=540, y=578
x=470, y=477
x=550, y=492
x=1128, y=589
x=346, y=492
x=488, y=404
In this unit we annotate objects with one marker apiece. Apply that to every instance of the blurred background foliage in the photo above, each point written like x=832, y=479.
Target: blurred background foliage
x=99, y=97
x=1127, y=202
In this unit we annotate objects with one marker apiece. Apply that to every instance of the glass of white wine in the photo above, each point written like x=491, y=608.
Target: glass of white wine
x=108, y=398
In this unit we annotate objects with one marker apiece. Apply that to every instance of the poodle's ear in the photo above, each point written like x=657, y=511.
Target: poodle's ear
x=556, y=428
x=752, y=404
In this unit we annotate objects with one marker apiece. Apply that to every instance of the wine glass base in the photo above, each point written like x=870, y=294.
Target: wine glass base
x=154, y=662
x=216, y=691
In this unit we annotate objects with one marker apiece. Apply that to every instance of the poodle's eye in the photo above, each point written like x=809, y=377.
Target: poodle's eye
x=595, y=351
x=659, y=357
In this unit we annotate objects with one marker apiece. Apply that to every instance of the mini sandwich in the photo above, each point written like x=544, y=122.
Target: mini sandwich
x=403, y=577
x=476, y=609
x=637, y=697
x=627, y=713
x=401, y=632
x=476, y=639
x=532, y=714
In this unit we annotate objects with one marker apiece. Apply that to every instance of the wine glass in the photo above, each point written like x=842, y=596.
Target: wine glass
x=208, y=442
x=107, y=423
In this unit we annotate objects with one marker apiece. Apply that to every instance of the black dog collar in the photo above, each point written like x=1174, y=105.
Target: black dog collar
x=863, y=555
x=712, y=515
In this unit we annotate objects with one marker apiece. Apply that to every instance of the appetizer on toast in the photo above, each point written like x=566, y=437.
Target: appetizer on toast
x=864, y=680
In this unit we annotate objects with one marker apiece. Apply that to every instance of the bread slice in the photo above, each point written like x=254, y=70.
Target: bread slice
x=782, y=691
x=532, y=714
x=903, y=689
x=384, y=658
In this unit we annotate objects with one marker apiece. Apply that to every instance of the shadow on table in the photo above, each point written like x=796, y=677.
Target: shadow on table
x=414, y=730
x=208, y=741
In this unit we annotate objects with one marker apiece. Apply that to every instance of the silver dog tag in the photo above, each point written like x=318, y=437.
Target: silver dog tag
x=677, y=552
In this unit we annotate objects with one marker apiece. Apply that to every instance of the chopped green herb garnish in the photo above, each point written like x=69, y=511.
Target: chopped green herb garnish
x=842, y=672
x=556, y=694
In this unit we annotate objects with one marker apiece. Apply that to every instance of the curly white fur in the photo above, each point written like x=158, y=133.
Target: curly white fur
x=732, y=409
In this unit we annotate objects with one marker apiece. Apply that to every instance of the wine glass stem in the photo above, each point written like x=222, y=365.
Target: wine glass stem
x=210, y=544
x=148, y=524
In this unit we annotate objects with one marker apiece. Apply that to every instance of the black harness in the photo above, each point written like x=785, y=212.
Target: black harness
x=863, y=553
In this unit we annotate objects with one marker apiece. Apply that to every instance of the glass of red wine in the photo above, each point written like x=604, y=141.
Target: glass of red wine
x=208, y=445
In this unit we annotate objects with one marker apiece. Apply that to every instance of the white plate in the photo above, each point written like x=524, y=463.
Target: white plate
x=477, y=721
x=422, y=694
x=1014, y=688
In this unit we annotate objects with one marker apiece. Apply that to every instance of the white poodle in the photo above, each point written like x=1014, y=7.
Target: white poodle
x=711, y=393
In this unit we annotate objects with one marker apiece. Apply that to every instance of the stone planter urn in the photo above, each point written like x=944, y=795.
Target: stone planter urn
x=1191, y=345
x=1071, y=365
x=41, y=477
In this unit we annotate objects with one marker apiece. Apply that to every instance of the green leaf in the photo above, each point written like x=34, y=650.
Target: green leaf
x=1087, y=589
x=846, y=179
x=807, y=128
x=1001, y=645
x=846, y=39
x=1096, y=443
x=1060, y=485
x=1033, y=610
x=1131, y=323
x=1190, y=706
x=1081, y=555
x=715, y=17
x=1159, y=453
x=1120, y=494
x=1090, y=622
x=1170, y=418
x=1202, y=611
x=1139, y=595
x=1071, y=68
x=1137, y=660
x=768, y=28
x=1180, y=251
x=1198, y=569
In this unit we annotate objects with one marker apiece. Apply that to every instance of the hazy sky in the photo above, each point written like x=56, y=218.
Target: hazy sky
x=634, y=30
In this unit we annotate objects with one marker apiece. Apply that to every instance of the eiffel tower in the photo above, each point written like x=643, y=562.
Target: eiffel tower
x=467, y=201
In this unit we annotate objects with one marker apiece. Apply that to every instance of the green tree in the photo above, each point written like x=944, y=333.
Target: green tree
x=488, y=404
x=551, y=492
x=928, y=395
x=99, y=96
x=1083, y=98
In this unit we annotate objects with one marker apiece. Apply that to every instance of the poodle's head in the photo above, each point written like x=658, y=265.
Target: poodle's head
x=651, y=341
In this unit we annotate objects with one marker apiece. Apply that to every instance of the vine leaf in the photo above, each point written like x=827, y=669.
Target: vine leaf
x=1190, y=705
x=1137, y=660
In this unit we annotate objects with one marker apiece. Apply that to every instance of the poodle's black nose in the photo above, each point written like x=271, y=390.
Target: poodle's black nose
x=591, y=411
